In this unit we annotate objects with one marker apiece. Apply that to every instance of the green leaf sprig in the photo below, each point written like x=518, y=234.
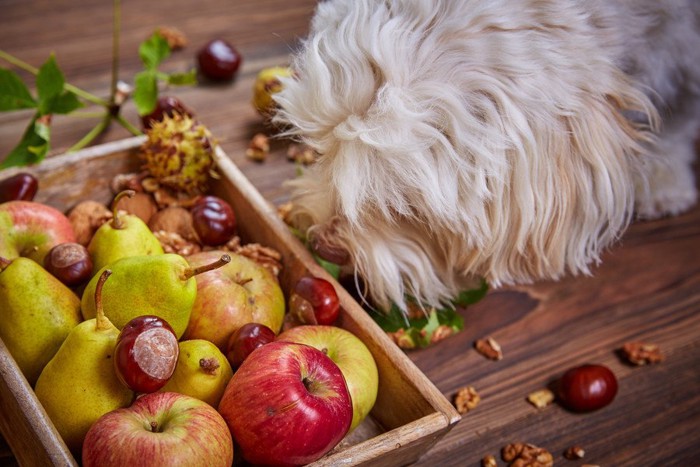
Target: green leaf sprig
x=52, y=98
x=56, y=97
x=152, y=52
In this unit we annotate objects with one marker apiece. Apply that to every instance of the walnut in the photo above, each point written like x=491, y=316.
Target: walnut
x=173, y=36
x=526, y=455
x=574, y=453
x=284, y=210
x=301, y=154
x=86, y=217
x=166, y=198
x=488, y=461
x=175, y=219
x=264, y=256
x=541, y=398
x=130, y=181
x=489, y=348
x=402, y=339
x=173, y=243
x=259, y=148
x=141, y=205
x=466, y=399
x=639, y=353
x=441, y=332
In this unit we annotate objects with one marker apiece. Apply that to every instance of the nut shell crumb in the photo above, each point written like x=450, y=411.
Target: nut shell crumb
x=640, y=353
x=574, y=453
x=259, y=148
x=301, y=154
x=488, y=461
x=175, y=38
x=489, y=348
x=526, y=455
x=86, y=217
x=466, y=399
x=541, y=398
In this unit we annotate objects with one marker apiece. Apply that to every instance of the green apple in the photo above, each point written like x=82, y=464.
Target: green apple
x=238, y=293
x=352, y=357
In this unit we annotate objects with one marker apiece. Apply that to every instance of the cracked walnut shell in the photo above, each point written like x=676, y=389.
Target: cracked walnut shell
x=489, y=348
x=526, y=455
x=466, y=399
x=640, y=353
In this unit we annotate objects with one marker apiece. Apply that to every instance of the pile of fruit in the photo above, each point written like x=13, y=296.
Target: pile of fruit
x=151, y=335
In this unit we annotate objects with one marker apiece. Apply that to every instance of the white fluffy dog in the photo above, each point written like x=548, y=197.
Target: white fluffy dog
x=507, y=139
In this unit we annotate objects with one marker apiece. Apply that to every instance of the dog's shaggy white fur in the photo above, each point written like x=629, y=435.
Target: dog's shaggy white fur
x=506, y=139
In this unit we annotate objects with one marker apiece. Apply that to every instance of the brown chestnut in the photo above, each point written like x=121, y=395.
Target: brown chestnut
x=22, y=186
x=587, y=387
x=70, y=263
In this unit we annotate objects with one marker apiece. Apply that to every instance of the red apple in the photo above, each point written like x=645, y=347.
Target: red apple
x=352, y=357
x=162, y=428
x=240, y=292
x=31, y=229
x=287, y=404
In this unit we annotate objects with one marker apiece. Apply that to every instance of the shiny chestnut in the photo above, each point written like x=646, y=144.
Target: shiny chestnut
x=245, y=339
x=213, y=220
x=70, y=263
x=587, y=387
x=22, y=186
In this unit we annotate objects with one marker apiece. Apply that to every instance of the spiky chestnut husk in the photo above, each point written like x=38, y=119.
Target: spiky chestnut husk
x=179, y=153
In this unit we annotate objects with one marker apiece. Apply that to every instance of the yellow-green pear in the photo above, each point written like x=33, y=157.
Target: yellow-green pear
x=125, y=235
x=202, y=372
x=160, y=285
x=79, y=384
x=36, y=314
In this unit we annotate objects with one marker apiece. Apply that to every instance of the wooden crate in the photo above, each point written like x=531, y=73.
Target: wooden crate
x=410, y=414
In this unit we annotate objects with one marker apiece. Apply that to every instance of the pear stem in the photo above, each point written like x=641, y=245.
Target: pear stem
x=101, y=321
x=117, y=221
x=190, y=272
x=4, y=263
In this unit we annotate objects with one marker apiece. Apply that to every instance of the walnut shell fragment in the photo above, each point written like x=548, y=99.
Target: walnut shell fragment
x=526, y=455
x=466, y=399
x=86, y=217
x=640, y=353
x=489, y=348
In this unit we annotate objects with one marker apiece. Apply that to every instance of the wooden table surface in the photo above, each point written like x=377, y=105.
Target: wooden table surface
x=648, y=287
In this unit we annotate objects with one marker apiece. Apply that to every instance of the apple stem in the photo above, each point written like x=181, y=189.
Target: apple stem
x=154, y=427
x=101, y=321
x=190, y=272
x=244, y=281
x=117, y=221
x=4, y=263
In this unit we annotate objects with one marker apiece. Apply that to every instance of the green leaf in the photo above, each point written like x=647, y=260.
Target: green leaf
x=14, y=94
x=153, y=51
x=469, y=297
x=392, y=320
x=49, y=80
x=182, y=79
x=64, y=103
x=32, y=148
x=145, y=92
